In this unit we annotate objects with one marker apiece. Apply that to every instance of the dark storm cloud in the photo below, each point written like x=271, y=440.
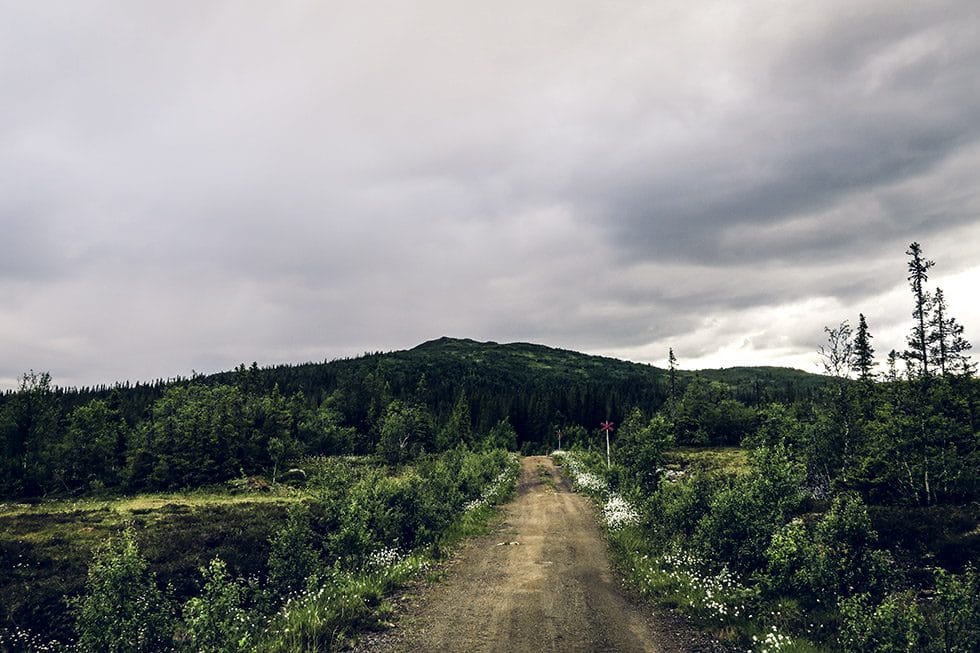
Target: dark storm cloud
x=863, y=100
x=192, y=186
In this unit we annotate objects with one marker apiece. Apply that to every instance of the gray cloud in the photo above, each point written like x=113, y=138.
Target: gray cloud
x=188, y=187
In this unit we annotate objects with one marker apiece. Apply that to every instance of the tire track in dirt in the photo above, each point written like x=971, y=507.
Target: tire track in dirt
x=540, y=582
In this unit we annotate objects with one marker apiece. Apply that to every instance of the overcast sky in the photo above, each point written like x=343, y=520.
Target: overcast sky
x=190, y=185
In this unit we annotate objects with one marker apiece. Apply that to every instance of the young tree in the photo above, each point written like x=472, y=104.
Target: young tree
x=405, y=431
x=640, y=445
x=892, y=374
x=29, y=434
x=459, y=428
x=918, y=341
x=123, y=610
x=92, y=448
x=501, y=436
x=292, y=553
x=838, y=354
x=322, y=431
x=947, y=346
x=217, y=621
x=707, y=414
x=672, y=367
x=863, y=361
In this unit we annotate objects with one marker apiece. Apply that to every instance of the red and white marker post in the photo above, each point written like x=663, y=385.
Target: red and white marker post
x=607, y=427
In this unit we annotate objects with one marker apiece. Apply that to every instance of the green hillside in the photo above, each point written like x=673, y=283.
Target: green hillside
x=185, y=432
x=534, y=386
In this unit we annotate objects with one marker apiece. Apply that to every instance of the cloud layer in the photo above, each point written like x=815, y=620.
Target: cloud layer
x=186, y=187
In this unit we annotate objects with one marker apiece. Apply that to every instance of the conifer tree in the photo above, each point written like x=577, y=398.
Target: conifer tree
x=892, y=374
x=946, y=342
x=459, y=428
x=863, y=351
x=918, y=341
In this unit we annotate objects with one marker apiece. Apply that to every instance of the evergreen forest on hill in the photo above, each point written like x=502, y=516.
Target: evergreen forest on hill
x=275, y=508
x=190, y=432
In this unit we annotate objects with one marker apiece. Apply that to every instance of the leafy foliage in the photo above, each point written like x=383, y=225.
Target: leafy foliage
x=292, y=556
x=218, y=620
x=123, y=610
x=895, y=625
x=641, y=444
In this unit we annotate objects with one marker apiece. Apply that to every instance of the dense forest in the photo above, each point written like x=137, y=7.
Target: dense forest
x=208, y=429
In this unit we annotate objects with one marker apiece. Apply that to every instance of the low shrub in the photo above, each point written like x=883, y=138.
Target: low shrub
x=895, y=625
x=956, y=614
x=218, y=621
x=123, y=610
x=293, y=557
x=831, y=558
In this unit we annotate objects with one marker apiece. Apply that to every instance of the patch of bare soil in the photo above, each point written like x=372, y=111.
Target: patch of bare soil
x=540, y=582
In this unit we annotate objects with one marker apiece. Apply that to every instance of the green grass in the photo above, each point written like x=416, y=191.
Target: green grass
x=726, y=460
x=143, y=503
x=45, y=548
x=544, y=475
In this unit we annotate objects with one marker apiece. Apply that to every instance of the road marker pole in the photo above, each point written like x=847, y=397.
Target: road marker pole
x=607, y=427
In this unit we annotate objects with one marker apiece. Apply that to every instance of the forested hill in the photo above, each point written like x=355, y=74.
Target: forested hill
x=186, y=432
x=537, y=388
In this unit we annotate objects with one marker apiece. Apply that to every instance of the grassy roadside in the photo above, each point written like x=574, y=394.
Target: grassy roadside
x=46, y=550
x=718, y=603
x=336, y=607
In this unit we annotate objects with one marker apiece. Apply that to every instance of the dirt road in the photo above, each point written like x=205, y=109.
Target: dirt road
x=540, y=582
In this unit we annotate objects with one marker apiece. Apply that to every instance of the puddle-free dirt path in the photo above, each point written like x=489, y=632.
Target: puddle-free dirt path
x=540, y=582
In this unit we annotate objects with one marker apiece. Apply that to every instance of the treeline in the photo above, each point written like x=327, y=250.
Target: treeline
x=905, y=434
x=191, y=432
x=197, y=434
x=908, y=434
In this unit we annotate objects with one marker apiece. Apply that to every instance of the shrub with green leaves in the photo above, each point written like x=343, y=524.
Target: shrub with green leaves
x=676, y=508
x=790, y=557
x=743, y=516
x=640, y=447
x=895, y=625
x=122, y=610
x=835, y=557
x=292, y=558
x=218, y=620
x=957, y=611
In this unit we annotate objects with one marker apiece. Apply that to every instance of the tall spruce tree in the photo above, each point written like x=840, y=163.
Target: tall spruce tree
x=918, y=341
x=939, y=331
x=863, y=362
